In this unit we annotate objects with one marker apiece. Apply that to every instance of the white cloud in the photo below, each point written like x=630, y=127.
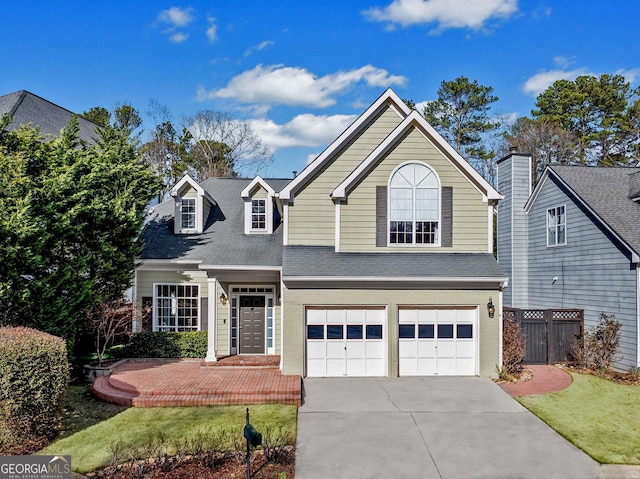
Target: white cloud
x=630, y=75
x=257, y=48
x=179, y=37
x=303, y=130
x=176, y=16
x=295, y=86
x=445, y=13
x=212, y=31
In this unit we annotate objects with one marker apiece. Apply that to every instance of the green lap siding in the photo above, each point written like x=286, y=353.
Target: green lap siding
x=470, y=213
x=312, y=215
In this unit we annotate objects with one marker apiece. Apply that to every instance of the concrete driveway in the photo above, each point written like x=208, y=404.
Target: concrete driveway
x=428, y=427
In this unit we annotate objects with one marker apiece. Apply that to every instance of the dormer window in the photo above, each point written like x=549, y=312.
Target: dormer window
x=258, y=215
x=259, y=207
x=188, y=213
x=192, y=206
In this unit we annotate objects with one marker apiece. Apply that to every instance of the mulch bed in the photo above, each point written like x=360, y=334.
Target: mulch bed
x=615, y=376
x=227, y=467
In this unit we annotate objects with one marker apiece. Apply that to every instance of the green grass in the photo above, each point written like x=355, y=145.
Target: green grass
x=600, y=417
x=92, y=427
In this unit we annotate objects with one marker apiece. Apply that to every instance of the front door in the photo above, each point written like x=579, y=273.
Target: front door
x=252, y=320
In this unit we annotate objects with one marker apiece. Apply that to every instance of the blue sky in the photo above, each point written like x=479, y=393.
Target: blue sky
x=301, y=71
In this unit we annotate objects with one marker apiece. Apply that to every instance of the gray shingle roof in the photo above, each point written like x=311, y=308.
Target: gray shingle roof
x=25, y=107
x=321, y=261
x=223, y=241
x=606, y=191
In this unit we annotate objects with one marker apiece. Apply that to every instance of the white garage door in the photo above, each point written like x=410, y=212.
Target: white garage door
x=346, y=342
x=437, y=342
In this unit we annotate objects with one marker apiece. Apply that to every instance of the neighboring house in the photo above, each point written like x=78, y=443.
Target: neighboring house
x=26, y=108
x=377, y=260
x=574, y=242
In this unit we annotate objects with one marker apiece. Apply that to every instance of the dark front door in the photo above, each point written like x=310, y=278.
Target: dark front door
x=252, y=324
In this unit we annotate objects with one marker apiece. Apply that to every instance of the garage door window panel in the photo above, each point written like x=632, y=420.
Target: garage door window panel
x=464, y=331
x=445, y=331
x=335, y=331
x=354, y=331
x=374, y=331
x=407, y=331
x=315, y=331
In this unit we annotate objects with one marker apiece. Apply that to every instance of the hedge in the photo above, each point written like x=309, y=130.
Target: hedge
x=168, y=345
x=33, y=383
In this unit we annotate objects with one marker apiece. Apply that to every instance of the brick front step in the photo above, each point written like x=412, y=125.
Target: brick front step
x=245, y=361
x=184, y=383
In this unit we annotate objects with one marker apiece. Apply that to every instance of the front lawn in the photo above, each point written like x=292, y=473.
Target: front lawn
x=90, y=439
x=599, y=416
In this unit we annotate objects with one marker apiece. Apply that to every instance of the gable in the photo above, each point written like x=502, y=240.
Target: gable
x=389, y=102
x=464, y=220
x=599, y=193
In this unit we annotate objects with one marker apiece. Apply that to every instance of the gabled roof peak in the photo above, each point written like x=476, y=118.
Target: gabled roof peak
x=388, y=98
x=258, y=180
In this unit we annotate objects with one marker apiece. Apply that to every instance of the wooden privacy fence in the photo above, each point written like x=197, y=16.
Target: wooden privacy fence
x=548, y=333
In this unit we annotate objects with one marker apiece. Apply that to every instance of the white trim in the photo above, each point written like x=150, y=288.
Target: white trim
x=154, y=296
x=248, y=206
x=258, y=180
x=337, y=227
x=490, y=228
x=212, y=316
x=239, y=267
x=273, y=295
x=285, y=224
x=557, y=243
x=415, y=119
x=500, y=330
x=638, y=315
x=399, y=279
x=282, y=291
x=134, y=301
x=388, y=97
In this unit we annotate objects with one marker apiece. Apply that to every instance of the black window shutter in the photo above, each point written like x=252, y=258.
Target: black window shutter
x=381, y=216
x=447, y=217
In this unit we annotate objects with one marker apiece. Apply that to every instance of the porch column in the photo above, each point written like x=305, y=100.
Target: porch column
x=211, y=320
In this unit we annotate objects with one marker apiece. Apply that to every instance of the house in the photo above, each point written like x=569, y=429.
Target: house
x=376, y=260
x=26, y=108
x=573, y=242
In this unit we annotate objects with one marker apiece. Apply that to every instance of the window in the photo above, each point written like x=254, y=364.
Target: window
x=414, y=206
x=258, y=214
x=176, y=307
x=556, y=226
x=188, y=213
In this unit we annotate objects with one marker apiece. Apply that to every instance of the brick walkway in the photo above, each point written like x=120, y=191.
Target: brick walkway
x=545, y=379
x=190, y=383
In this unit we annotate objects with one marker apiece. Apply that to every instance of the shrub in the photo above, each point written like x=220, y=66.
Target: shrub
x=598, y=347
x=168, y=345
x=513, y=347
x=33, y=383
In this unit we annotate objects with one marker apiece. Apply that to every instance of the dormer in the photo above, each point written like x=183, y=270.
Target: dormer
x=192, y=206
x=258, y=207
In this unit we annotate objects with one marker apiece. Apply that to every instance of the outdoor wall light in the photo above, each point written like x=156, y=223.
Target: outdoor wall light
x=223, y=299
x=491, y=309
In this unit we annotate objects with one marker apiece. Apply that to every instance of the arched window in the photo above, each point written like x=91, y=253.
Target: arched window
x=414, y=205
